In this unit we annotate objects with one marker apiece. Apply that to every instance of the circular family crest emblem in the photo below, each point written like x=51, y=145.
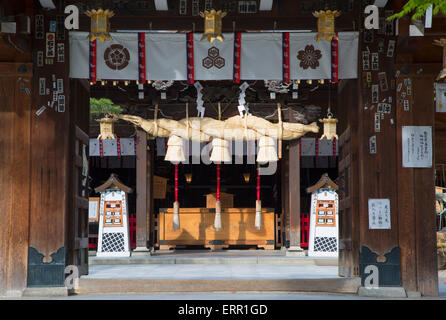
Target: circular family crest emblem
x=309, y=58
x=116, y=57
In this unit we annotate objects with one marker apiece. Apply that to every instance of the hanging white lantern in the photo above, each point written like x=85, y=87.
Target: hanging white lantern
x=220, y=151
x=329, y=127
x=267, y=150
x=175, y=153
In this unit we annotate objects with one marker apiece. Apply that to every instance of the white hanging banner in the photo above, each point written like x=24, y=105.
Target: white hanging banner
x=118, y=59
x=110, y=147
x=127, y=146
x=95, y=148
x=261, y=56
x=79, y=55
x=308, y=146
x=348, y=55
x=309, y=59
x=214, y=61
x=166, y=56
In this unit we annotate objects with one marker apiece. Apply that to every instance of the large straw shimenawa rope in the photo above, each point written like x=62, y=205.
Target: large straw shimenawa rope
x=205, y=129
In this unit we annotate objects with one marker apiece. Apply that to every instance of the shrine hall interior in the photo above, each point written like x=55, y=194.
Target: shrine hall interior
x=196, y=180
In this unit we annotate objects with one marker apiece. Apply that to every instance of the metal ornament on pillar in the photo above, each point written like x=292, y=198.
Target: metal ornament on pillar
x=267, y=150
x=100, y=24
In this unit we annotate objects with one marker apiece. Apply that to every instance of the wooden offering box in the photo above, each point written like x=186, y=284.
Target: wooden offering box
x=197, y=228
x=226, y=200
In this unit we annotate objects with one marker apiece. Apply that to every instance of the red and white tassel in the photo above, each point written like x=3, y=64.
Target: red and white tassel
x=217, y=221
x=176, y=204
x=258, y=220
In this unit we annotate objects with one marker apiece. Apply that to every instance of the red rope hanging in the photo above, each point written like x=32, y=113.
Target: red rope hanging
x=176, y=182
x=258, y=183
x=218, y=182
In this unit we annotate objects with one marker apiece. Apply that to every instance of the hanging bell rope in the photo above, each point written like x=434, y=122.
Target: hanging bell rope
x=176, y=204
x=217, y=221
x=279, y=113
x=155, y=119
x=258, y=219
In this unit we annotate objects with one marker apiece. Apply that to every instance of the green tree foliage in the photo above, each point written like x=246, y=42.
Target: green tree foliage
x=418, y=8
x=101, y=107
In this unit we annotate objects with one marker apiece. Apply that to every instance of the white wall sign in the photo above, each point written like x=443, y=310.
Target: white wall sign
x=379, y=214
x=417, y=146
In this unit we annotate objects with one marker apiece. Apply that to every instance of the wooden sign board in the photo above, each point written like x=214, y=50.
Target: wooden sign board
x=159, y=187
x=93, y=209
x=417, y=146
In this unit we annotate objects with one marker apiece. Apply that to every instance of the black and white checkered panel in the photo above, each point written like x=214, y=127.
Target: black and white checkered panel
x=113, y=242
x=325, y=244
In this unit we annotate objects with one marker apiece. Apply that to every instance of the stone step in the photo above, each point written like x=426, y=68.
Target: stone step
x=138, y=286
x=213, y=260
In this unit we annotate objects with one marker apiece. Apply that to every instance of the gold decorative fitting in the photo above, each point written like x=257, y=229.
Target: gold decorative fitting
x=329, y=127
x=213, y=25
x=100, y=24
x=188, y=177
x=326, y=24
x=107, y=128
x=246, y=177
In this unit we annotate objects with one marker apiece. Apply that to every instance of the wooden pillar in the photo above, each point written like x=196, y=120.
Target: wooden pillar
x=15, y=124
x=294, y=195
x=294, y=191
x=143, y=173
x=416, y=195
